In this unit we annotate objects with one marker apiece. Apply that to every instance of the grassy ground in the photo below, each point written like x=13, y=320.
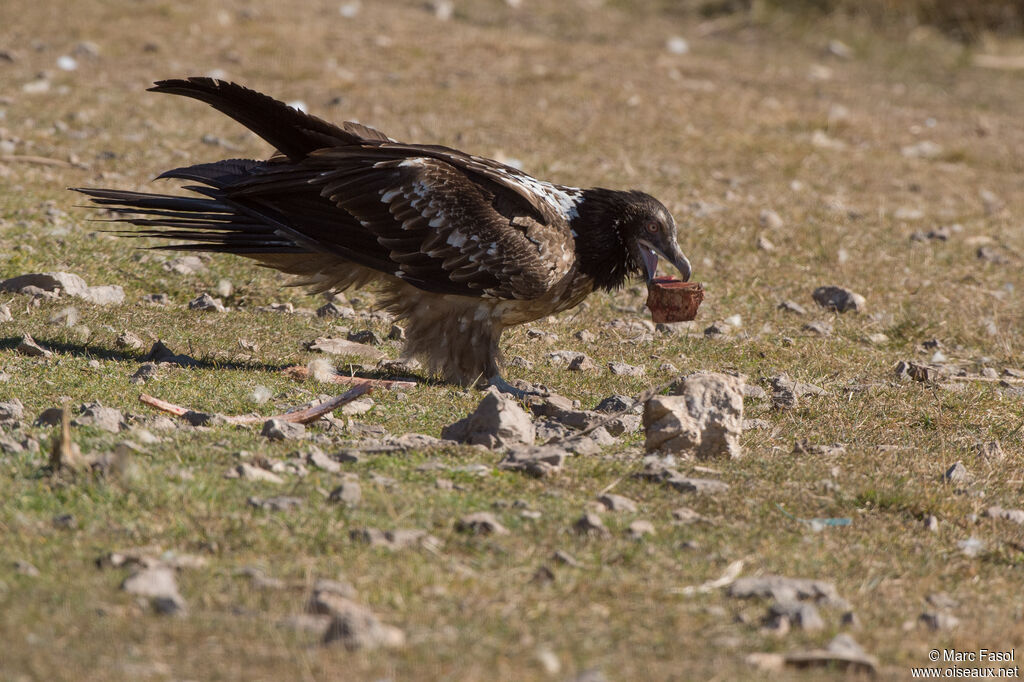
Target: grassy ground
x=755, y=117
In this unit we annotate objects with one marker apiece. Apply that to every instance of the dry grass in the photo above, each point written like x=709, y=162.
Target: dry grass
x=582, y=95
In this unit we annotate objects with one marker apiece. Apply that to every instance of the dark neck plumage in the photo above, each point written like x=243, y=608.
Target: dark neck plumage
x=601, y=251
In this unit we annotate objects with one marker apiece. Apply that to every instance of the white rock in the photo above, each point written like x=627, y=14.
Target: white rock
x=67, y=63
x=677, y=45
x=158, y=584
x=705, y=418
x=497, y=422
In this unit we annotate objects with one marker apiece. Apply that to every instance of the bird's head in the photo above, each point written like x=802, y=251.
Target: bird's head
x=649, y=231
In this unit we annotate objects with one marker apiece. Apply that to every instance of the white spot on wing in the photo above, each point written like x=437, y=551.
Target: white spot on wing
x=457, y=239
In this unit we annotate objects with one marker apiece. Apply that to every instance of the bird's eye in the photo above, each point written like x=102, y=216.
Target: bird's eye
x=653, y=227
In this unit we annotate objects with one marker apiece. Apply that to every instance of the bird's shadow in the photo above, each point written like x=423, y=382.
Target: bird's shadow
x=92, y=351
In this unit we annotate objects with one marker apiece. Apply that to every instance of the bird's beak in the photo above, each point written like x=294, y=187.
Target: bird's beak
x=649, y=254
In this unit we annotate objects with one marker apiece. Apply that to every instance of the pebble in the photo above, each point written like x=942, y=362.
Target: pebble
x=481, y=523
x=585, y=336
x=839, y=299
x=348, y=493
x=957, y=473
x=252, y=473
x=793, y=612
x=938, y=620
x=925, y=149
x=334, y=310
x=770, y=219
x=791, y=307
x=279, y=503
x=590, y=524
x=159, y=585
x=677, y=45
x=279, y=429
x=28, y=346
x=640, y=528
x=11, y=411
x=617, y=503
x=622, y=369
x=822, y=329
x=535, y=460
x=206, y=302
x=784, y=589
x=1014, y=515
x=357, y=628
x=98, y=416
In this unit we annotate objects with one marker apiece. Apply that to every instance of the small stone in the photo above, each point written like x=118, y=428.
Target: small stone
x=838, y=48
x=126, y=340
x=623, y=424
x=622, y=369
x=991, y=255
x=639, y=528
x=938, y=620
x=717, y=329
x=677, y=45
x=765, y=244
x=249, y=472
x=334, y=310
x=823, y=329
x=158, y=584
x=801, y=614
x=206, y=302
x=11, y=411
x=931, y=523
x=106, y=418
x=839, y=299
x=703, y=486
x=686, y=516
x=23, y=567
x=957, y=473
x=278, y=429
x=1014, y=515
x=564, y=557
x=781, y=588
x=972, y=546
x=581, y=363
x=317, y=458
x=481, y=523
x=585, y=336
x=617, y=503
x=770, y=219
x=396, y=333
x=619, y=403
x=535, y=460
x=791, y=307
x=348, y=493
x=365, y=336
x=590, y=524
x=925, y=149
x=28, y=346
x=279, y=503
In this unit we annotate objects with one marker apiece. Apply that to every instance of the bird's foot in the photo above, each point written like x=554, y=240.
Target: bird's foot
x=520, y=390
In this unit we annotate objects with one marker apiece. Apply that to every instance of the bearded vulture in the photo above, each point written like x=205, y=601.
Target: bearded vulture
x=460, y=247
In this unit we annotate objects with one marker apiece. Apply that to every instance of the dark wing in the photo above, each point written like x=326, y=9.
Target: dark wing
x=292, y=132
x=441, y=228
